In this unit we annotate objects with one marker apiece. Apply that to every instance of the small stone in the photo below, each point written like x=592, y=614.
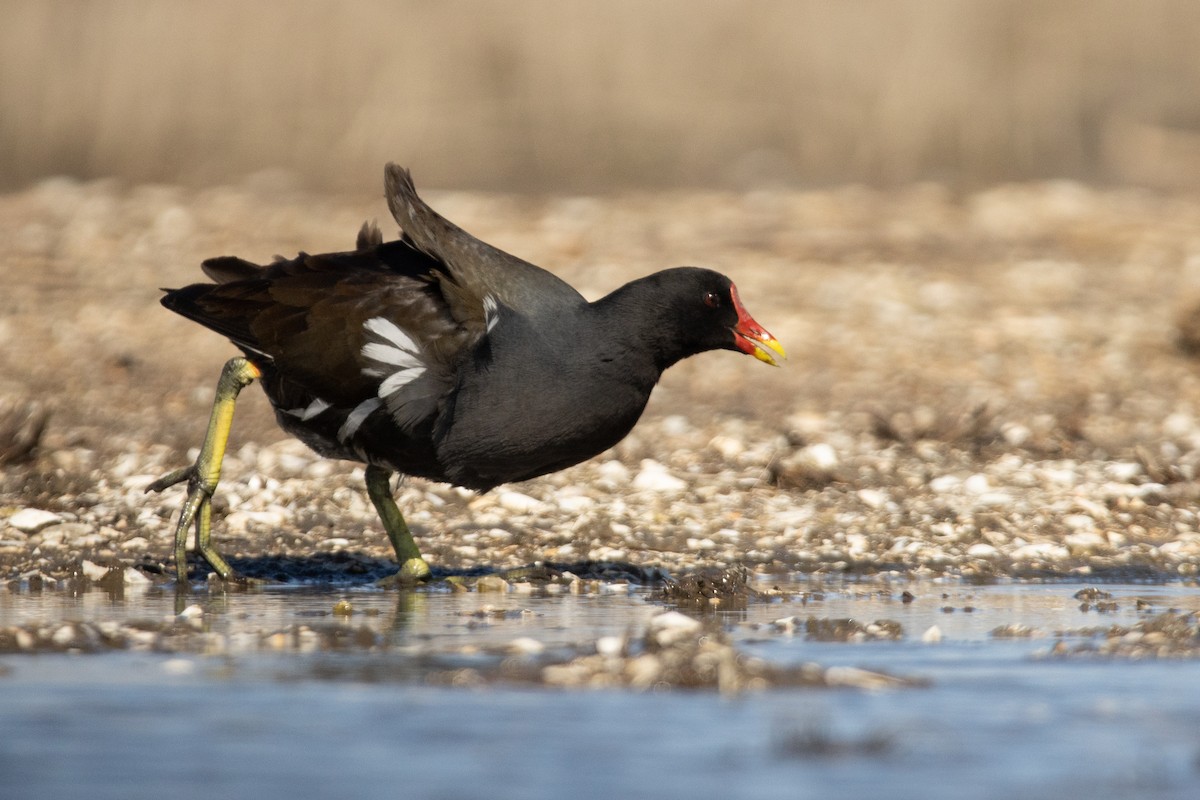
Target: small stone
x=64, y=636
x=932, y=635
x=729, y=447
x=610, y=646
x=32, y=520
x=343, y=608
x=644, y=671
x=1015, y=434
x=820, y=456
x=492, y=583
x=673, y=626
x=179, y=666
x=873, y=498
x=976, y=484
x=676, y=425
x=993, y=499
x=92, y=571
x=241, y=520
x=191, y=612
x=1079, y=522
x=945, y=483
x=654, y=477
x=982, y=550
x=575, y=504
x=133, y=577
x=614, y=471
x=519, y=503
x=1124, y=471
x=1085, y=541
x=1046, y=550
x=526, y=646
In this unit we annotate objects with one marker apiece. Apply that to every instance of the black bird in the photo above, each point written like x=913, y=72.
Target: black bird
x=441, y=356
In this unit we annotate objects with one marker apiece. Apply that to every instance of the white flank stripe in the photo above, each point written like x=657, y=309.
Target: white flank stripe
x=399, y=379
x=387, y=354
x=390, y=331
x=357, y=417
x=491, y=312
x=308, y=412
x=315, y=407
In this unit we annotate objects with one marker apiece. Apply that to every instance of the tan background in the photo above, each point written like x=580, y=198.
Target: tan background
x=578, y=96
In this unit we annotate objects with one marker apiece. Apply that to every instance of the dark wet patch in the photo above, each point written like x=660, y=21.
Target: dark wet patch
x=817, y=742
x=706, y=589
x=823, y=629
x=1015, y=630
x=674, y=652
x=727, y=589
x=1171, y=634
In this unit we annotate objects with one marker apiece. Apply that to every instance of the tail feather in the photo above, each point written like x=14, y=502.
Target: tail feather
x=227, y=312
x=227, y=269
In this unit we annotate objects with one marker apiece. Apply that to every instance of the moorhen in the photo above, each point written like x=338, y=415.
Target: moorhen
x=441, y=356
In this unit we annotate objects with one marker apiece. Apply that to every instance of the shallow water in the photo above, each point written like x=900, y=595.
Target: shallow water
x=997, y=718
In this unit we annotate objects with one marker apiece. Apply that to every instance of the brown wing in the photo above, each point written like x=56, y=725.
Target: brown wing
x=307, y=318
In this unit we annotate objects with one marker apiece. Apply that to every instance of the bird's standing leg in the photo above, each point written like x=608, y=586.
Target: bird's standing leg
x=412, y=566
x=202, y=476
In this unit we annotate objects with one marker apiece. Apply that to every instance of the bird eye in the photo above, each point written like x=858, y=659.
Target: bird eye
x=711, y=299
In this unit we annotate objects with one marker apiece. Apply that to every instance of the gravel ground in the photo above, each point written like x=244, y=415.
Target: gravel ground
x=982, y=385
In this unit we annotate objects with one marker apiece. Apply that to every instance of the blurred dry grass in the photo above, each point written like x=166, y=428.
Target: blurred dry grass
x=579, y=96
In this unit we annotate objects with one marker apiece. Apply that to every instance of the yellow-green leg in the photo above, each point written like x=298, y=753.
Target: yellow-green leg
x=412, y=566
x=202, y=477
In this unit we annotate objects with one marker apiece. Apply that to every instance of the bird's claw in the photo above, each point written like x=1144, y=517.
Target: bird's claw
x=171, y=478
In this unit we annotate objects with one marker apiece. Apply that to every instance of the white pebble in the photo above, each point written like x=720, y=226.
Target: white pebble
x=575, y=503
x=134, y=577
x=945, y=483
x=1079, y=522
x=63, y=636
x=1047, y=550
x=1015, y=434
x=610, y=646
x=191, y=612
x=1123, y=471
x=614, y=471
x=676, y=425
x=241, y=520
x=729, y=447
x=932, y=635
x=178, y=666
x=1085, y=540
x=519, y=503
x=654, y=477
x=32, y=520
x=525, y=646
x=819, y=455
x=92, y=571
x=982, y=550
x=976, y=484
x=672, y=626
x=873, y=498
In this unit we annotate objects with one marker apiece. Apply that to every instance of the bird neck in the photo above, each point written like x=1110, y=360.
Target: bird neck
x=639, y=329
